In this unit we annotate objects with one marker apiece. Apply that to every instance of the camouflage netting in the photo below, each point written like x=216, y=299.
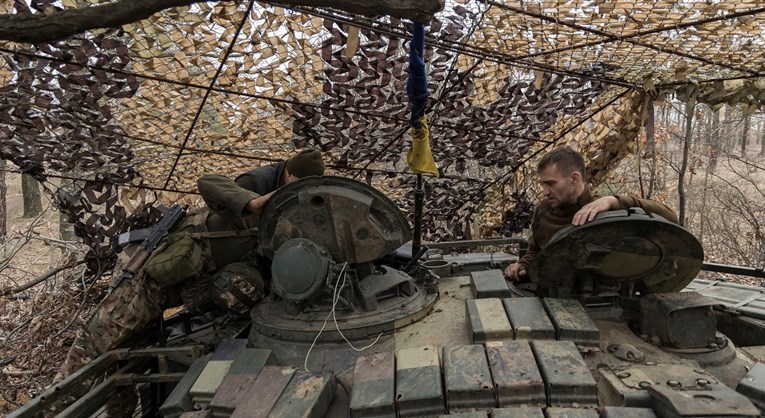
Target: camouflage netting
x=136, y=114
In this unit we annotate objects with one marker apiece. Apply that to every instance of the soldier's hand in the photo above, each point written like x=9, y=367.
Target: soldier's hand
x=588, y=211
x=255, y=206
x=515, y=271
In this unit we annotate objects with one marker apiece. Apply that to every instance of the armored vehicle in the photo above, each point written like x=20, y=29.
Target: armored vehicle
x=613, y=323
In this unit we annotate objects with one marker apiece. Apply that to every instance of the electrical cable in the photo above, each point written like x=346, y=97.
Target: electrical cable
x=335, y=299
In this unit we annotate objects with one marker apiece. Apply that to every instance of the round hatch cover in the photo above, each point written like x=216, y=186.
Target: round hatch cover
x=299, y=269
x=624, y=245
x=353, y=221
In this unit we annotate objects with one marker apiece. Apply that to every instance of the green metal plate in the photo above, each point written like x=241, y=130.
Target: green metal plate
x=374, y=386
x=529, y=319
x=467, y=378
x=565, y=373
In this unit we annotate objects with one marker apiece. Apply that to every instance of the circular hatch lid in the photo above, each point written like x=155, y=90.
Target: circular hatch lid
x=624, y=245
x=353, y=221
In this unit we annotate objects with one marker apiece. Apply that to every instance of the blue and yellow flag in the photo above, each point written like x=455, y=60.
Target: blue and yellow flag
x=419, y=157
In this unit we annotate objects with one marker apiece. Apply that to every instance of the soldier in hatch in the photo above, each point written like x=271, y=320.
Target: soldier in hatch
x=209, y=261
x=569, y=201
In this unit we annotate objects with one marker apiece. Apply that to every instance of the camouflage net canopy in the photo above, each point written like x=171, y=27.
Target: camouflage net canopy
x=136, y=114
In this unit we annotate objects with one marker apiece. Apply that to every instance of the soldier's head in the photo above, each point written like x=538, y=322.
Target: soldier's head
x=562, y=174
x=305, y=163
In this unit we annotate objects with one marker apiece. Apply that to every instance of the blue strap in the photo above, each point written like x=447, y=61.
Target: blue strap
x=417, y=83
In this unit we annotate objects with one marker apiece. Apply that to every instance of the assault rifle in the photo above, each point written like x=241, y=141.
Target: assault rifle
x=169, y=220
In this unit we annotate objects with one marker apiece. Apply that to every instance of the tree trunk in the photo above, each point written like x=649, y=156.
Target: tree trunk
x=3, y=206
x=714, y=142
x=30, y=190
x=744, y=134
x=689, y=106
x=712, y=125
x=65, y=228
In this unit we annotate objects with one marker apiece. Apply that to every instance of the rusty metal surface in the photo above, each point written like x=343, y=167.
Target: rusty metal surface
x=352, y=220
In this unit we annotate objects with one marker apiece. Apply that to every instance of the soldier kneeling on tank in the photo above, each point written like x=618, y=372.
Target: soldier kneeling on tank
x=569, y=201
x=208, y=261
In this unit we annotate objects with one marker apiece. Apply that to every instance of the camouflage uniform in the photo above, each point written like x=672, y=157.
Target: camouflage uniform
x=230, y=277
x=139, y=301
x=126, y=311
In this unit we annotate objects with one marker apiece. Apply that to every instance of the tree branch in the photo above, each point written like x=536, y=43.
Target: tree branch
x=44, y=277
x=415, y=10
x=48, y=27
x=40, y=27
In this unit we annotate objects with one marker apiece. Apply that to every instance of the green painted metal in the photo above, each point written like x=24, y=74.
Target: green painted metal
x=374, y=378
x=517, y=412
x=489, y=284
x=529, y=319
x=488, y=320
x=230, y=393
x=516, y=376
x=308, y=395
x=418, y=382
x=572, y=322
x=265, y=392
x=567, y=379
x=570, y=413
x=624, y=246
x=179, y=400
x=753, y=385
x=624, y=412
x=467, y=378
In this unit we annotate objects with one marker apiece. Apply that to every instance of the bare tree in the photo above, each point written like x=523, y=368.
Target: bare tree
x=744, y=133
x=689, y=107
x=30, y=191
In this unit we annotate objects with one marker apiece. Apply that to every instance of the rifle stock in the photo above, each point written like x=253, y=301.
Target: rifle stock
x=169, y=220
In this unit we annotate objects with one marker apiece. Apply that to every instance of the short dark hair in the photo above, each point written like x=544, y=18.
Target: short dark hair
x=565, y=159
